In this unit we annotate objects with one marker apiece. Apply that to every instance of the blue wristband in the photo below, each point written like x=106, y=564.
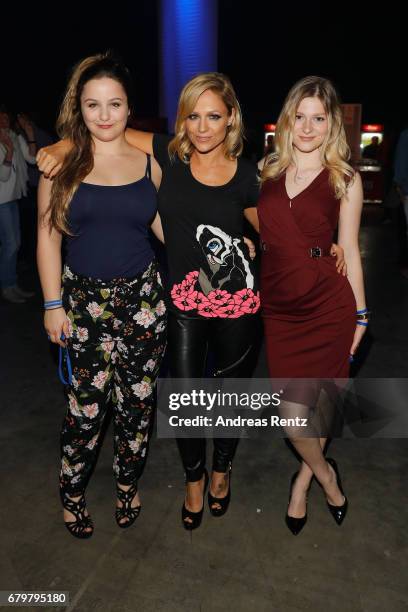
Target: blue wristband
x=362, y=311
x=52, y=304
x=362, y=323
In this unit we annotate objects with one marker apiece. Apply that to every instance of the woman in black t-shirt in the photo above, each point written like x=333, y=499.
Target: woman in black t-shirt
x=206, y=192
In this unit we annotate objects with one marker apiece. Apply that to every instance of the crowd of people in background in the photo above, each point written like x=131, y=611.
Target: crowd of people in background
x=20, y=138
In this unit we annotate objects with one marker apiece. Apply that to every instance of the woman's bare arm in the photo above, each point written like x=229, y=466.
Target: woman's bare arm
x=349, y=225
x=140, y=140
x=50, y=159
x=49, y=265
x=251, y=215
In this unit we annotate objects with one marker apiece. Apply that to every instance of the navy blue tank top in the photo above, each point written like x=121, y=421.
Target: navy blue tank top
x=110, y=228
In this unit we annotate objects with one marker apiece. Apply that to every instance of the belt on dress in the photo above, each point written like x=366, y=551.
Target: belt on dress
x=318, y=252
x=313, y=252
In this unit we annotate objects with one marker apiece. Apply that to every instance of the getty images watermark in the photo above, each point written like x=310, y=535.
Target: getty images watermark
x=261, y=407
x=219, y=400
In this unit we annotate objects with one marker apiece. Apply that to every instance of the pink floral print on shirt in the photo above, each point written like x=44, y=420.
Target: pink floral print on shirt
x=218, y=303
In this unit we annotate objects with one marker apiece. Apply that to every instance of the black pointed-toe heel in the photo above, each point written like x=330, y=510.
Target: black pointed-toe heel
x=294, y=524
x=82, y=522
x=126, y=511
x=338, y=512
x=223, y=502
x=195, y=517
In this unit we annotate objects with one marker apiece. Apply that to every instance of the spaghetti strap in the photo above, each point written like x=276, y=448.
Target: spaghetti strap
x=148, y=172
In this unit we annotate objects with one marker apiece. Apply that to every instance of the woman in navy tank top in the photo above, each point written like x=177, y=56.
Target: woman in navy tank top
x=111, y=315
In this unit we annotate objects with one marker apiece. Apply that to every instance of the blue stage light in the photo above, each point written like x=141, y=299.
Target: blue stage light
x=188, y=34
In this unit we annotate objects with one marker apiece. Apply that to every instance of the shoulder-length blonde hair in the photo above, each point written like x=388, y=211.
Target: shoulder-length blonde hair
x=335, y=151
x=220, y=85
x=79, y=162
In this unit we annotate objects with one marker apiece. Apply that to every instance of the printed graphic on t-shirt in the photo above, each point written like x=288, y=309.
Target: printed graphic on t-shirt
x=223, y=287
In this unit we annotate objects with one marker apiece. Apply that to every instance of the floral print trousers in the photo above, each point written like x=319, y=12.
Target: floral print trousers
x=116, y=344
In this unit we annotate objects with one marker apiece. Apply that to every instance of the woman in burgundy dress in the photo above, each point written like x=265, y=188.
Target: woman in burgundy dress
x=314, y=318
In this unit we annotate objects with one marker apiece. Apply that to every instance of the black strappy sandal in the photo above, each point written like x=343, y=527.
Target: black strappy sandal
x=78, y=527
x=126, y=511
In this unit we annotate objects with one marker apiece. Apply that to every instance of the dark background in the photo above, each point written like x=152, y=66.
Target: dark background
x=263, y=46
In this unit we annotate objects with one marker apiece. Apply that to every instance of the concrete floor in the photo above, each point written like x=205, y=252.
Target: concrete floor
x=247, y=560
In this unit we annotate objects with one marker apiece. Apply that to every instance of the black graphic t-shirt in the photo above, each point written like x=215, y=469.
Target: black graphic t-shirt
x=210, y=271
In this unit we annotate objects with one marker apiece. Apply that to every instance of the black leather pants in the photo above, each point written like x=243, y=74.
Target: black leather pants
x=231, y=342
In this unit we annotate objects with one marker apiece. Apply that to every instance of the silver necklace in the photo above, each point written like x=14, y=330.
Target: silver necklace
x=298, y=178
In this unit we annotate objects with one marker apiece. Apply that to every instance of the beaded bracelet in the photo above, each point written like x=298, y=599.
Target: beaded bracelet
x=52, y=304
x=363, y=316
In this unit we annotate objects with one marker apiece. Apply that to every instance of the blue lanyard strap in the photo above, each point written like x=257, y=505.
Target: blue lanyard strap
x=64, y=354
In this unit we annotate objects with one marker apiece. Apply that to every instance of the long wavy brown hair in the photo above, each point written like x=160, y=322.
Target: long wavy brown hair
x=220, y=85
x=79, y=162
x=335, y=151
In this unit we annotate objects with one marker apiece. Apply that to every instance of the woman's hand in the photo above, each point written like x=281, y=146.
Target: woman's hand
x=251, y=247
x=51, y=158
x=337, y=251
x=6, y=140
x=26, y=125
x=56, y=323
x=358, y=336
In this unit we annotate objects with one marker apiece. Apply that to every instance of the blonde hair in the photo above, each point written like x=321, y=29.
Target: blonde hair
x=220, y=85
x=335, y=151
x=79, y=162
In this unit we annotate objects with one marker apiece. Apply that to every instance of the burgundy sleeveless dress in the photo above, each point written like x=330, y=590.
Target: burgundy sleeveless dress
x=309, y=310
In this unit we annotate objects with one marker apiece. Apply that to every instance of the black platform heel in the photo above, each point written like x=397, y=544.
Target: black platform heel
x=337, y=512
x=223, y=502
x=195, y=517
x=82, y=522
x=126, y=511
x=294, y=524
